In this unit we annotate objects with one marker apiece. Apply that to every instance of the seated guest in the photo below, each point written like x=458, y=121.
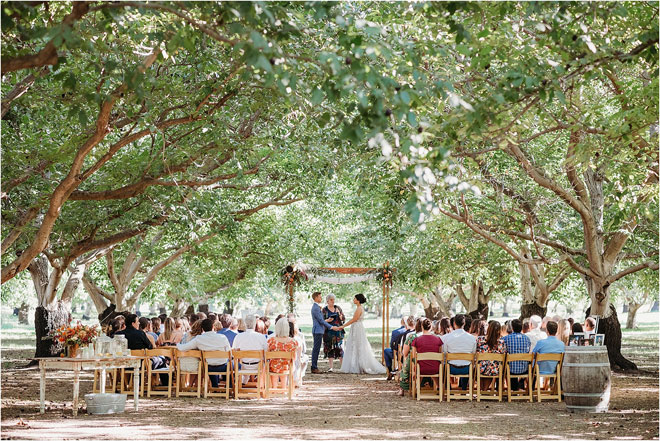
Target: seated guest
x=427, y=342
x=577, y=327
x=155, y=326
x=281, y=342
x=201, y=316
x=468, y=323
x=535, y=334
x=410, y=336
x=478, y=328
x=517, y=343
x=186, y=324
x=571, y=320
x=241, y=326
x=226, y=322
x=302, y=360
x=209, y=341
x=507, y=329
x=525, y=328
x=217, y=326
x=195, y=330
x=250, y=341
x=193, y=318
x=589, y=325
x=491, y=343
x=459, y=341
x=145, y=326
x=170, y=336
x=564, y=331
x=550, y=345
x=162, y=318
x=114, y=327
x=389, y=352
x=445, y=326
x=266, y=321
x=260, y=327
x=178, y=326
x=544, y=322
x=138, y=340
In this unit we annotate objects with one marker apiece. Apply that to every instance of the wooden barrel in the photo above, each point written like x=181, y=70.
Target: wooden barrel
x=585, y=378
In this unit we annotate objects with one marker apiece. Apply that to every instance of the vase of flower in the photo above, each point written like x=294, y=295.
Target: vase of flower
x=73, y=350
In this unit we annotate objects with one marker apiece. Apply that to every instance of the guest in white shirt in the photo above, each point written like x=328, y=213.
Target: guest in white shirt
x=535, y=334
x=209, y=341
x=250, y=341
x=459, y=341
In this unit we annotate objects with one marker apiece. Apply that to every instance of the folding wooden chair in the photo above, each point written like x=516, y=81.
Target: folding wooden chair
x=436, y=394
x=181, y=389
x=490, y=394
x=458, y=394
x=555, y=391
x=223, y=386
x=126, y=375
x=169, y=370
x=241, y=391
x=282, y=355
x=524, y=394
x=412, y=372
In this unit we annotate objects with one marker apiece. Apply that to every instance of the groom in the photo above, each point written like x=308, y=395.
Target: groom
x=318, y=329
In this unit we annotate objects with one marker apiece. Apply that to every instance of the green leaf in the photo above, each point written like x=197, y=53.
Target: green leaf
x=405, y=97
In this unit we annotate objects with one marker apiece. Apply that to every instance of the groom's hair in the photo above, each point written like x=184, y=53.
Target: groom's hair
x=316, y=295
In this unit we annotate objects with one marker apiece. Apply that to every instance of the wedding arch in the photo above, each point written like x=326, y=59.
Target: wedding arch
x=293, y=275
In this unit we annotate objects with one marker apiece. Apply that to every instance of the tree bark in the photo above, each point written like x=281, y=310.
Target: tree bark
x=46, y=320
x=633, y=307
x=529, y=309
x=611, y=327
x=190, y=310
x=179, y=308
x=23, y=313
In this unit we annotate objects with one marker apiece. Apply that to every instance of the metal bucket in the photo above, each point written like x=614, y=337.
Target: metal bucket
x=102, y=404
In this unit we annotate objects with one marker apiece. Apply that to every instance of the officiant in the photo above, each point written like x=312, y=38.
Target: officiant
x=333, y=340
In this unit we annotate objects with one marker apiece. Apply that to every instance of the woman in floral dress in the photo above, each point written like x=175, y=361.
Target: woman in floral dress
x=332, y=340
x=281, y=342
x=494, y=344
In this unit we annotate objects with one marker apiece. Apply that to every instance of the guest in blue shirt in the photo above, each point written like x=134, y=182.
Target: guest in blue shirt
x=227, y=321
x=394, y=340
x=550, y=345
x=517, y=343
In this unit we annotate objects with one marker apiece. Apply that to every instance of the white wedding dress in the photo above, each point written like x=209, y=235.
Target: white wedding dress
x=358, y=355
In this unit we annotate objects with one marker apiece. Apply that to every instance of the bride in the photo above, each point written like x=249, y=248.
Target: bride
x=358, y=355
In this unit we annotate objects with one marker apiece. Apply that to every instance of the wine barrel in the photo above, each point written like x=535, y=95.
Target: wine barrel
x=586, y=378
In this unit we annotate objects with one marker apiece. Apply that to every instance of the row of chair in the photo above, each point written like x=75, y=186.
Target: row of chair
x=532, y=377
x=122, y=379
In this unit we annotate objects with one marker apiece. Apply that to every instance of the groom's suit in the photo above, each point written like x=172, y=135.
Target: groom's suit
x=318, y=329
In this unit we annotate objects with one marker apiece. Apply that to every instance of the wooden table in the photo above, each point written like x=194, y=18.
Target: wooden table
x=85, y=364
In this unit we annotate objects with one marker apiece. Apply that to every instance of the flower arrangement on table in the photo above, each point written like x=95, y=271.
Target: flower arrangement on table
x=385, y=274
x=74, y=336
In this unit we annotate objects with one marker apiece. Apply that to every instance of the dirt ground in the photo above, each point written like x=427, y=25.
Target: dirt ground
x=329, y=406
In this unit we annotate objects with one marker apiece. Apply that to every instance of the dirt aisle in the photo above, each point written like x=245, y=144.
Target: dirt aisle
x=330, y=406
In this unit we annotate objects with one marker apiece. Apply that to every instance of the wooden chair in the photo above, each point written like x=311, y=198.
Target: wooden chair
x=524, y=394
x=396, y=361
x=458, y=393
x=490, y=394
x=181, y=389
x=437, y=394
x=223, y=386
x=169, y=370
x=555, y=392
x=283, y=355
x=126, y=375
x=412, y=374
x=241, y=391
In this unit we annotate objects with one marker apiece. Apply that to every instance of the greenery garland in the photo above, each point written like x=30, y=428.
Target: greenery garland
x=291, y=276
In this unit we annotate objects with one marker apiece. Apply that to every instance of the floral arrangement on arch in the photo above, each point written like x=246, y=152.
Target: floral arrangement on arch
x=290, y=275
x=71, y=335
x=386, y=275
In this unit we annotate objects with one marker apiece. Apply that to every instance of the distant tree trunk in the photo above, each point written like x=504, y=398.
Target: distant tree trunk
x=632, y=312
x=229, y=309
x=46, y=320
x=203, y=307
x=505, y=310
x=530, y=309
x=190, y=310
x=611, y=327
x=179, y=308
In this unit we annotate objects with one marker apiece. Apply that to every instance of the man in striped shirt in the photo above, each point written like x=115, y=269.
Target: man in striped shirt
x=517, y=343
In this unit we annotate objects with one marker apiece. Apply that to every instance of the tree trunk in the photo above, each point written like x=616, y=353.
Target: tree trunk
x=203, y=307
x=46, y=320
x=179, y=308
x=481, y=312
x=190, y=310
x=655, y=307
x=229, y=309
x=23, y=313
x=432, y=312
x=632, y=312
x=505, y=310
x=530, y=309
x=611, y=327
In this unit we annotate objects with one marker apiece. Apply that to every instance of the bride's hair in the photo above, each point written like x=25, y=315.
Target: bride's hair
x=361, y=298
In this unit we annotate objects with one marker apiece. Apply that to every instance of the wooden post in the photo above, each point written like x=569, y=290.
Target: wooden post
x=388, y=313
